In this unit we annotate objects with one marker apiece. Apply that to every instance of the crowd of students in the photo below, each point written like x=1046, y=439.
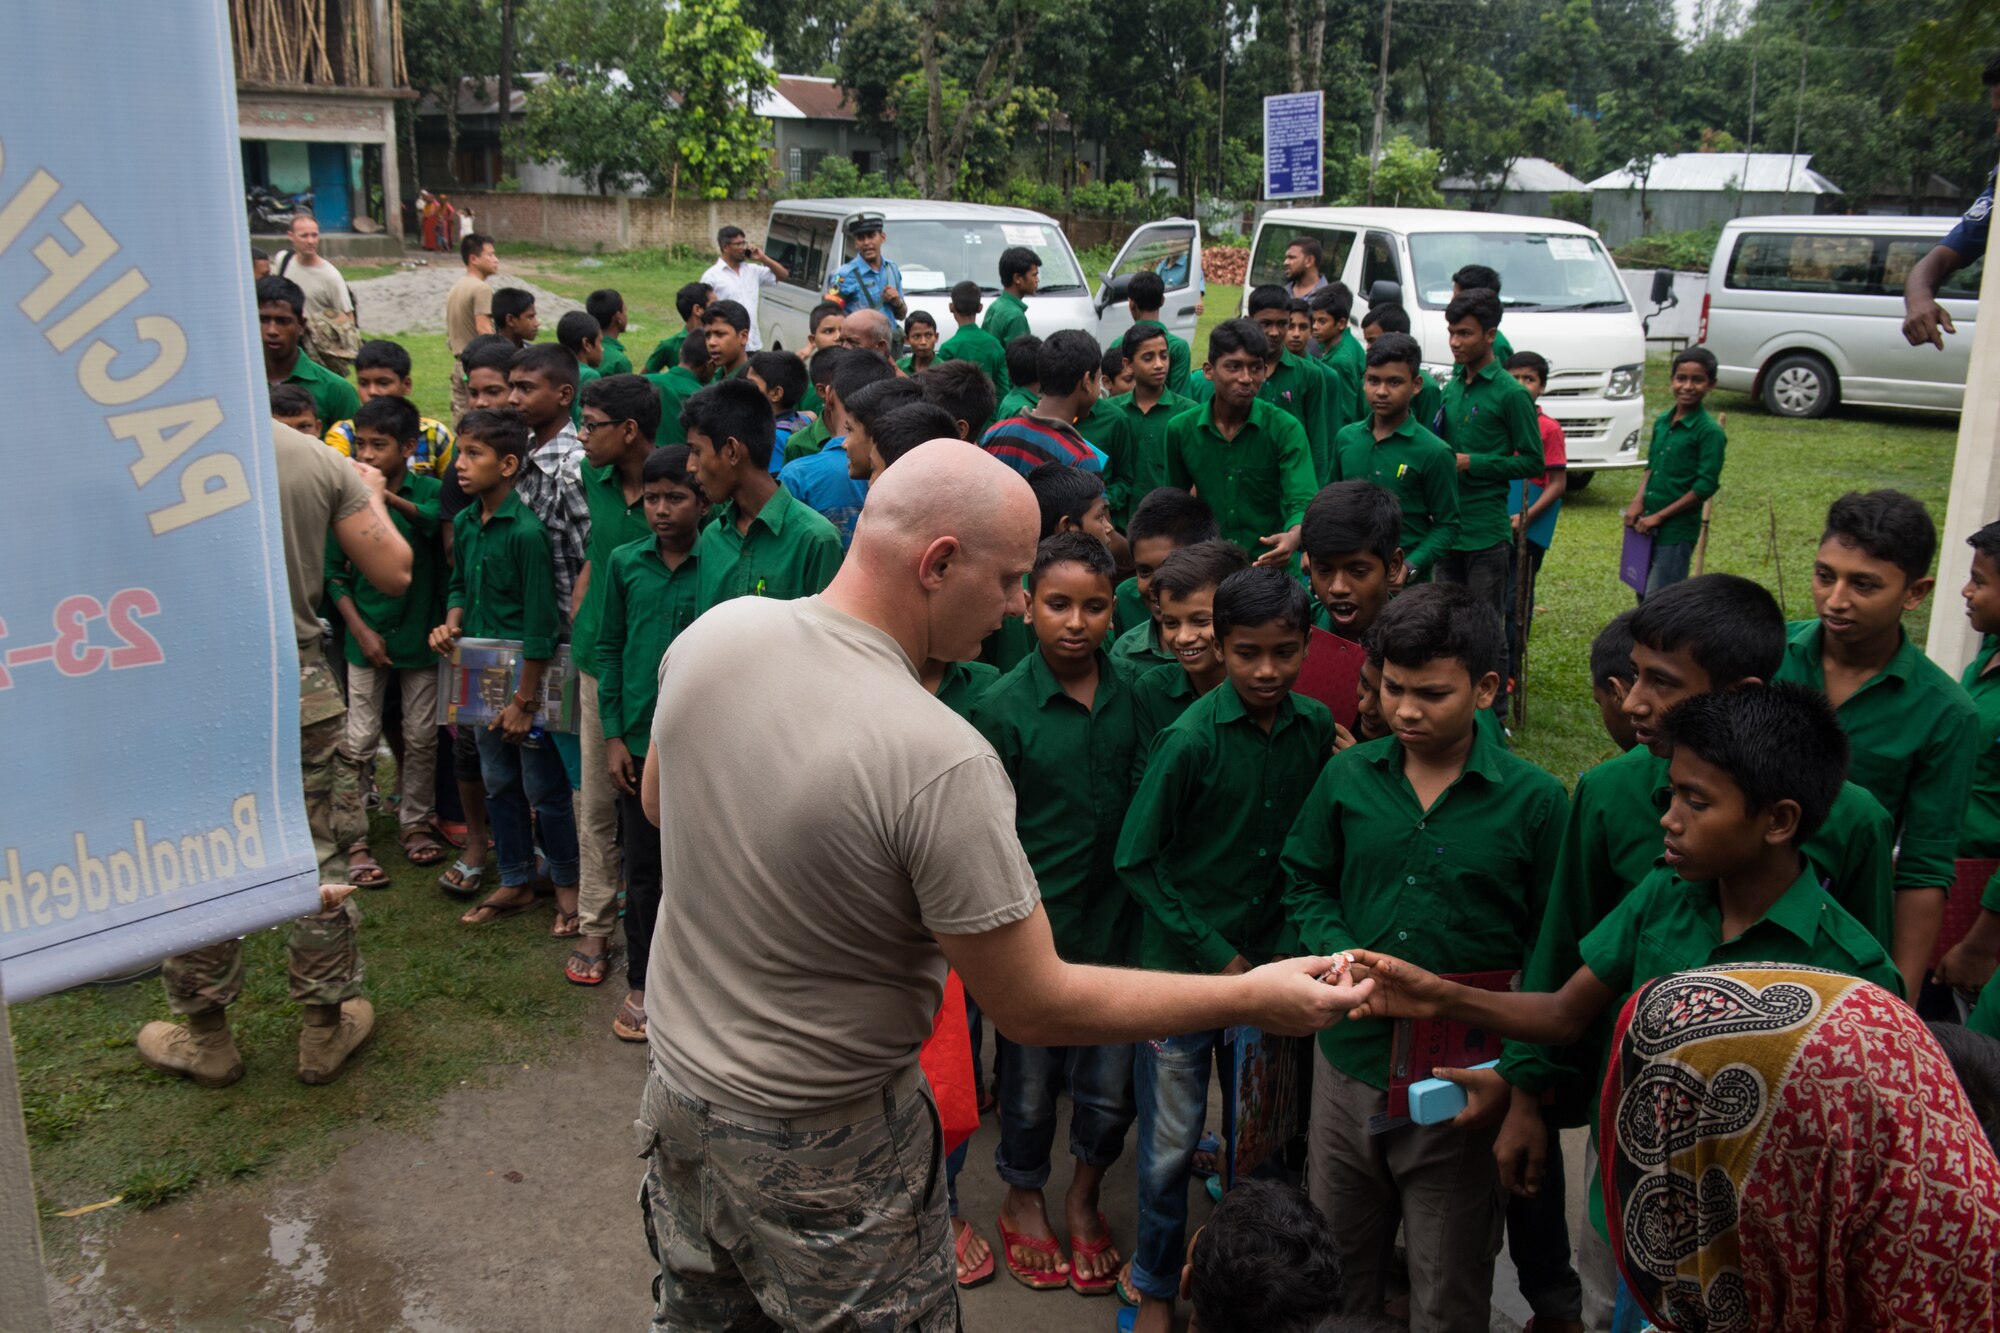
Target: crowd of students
x=1183, y=808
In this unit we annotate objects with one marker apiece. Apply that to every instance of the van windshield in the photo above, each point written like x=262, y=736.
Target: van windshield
x=937, y=255
x=1538, y=271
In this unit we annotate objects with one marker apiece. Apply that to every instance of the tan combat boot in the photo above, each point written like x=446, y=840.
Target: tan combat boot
x=332, y=1033
x=201, y=1051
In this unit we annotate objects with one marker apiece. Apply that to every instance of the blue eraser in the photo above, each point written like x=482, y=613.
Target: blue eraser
x=1436, y=1100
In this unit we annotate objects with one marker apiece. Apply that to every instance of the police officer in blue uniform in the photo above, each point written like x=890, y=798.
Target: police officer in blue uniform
x=1924, y=320
x=868, y=281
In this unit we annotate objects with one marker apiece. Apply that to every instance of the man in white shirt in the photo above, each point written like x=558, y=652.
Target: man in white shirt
x=742, y=269
x=330, y=338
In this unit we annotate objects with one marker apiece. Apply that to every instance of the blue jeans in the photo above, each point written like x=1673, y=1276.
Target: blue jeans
x=1099, y=1082
x=1670, y=564
x=516, y=778
x=1170, y=1077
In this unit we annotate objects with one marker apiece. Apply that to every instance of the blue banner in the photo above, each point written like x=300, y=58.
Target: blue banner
x=1294, y=146
x=148, y=668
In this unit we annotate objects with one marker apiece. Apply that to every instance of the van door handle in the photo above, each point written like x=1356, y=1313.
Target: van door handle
x=1185, y=310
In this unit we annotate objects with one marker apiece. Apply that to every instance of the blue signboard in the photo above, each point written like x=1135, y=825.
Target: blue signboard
x=1294, y=146
x=148, y=666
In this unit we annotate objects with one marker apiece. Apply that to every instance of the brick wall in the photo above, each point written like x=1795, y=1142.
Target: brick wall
x=595, y=222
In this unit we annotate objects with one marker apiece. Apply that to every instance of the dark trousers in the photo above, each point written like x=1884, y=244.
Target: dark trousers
x=642, y=886
x=1484, y=572
x=1538, y=1243
x=1515, y=660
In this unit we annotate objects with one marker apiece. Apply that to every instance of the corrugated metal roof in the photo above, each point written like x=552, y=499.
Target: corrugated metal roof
x=1756, y=173
x=802, y=97
x=1528, y=174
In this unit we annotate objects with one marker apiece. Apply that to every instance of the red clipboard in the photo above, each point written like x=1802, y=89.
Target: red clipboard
x=1332, y=674
x=1961, y=905
x=947, y=1062
x=1424, y=1044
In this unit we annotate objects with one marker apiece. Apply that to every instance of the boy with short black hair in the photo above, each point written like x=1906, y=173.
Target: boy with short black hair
x=1428, y=406
x=970, y=342
x=763, y=542
x=1145, y=298
x=281, y=321
x=1611, y=677
x=783, y=379
x=1298, y=330
x=1354, y=558
x=1683, y=470
x=1199, y=853
x=825, y=480
x=678, y=384
x=1462, y=890
x=726, y=326
x=689, y=302
x=1473, y=277
x=1168, y=518
x=387, y=637
x=906, y=427
x=292, y=405
x=1969, y=964
x=1060, y=718
x=582, y=337
x=1066, y=371
x=1184, y=601
x=963, y=390
x=1533, y=504
x=1396, y=452
x=1339, y=350
x=649, y=598
x=1020, y=275
x=825, y=364
x=542, y=386
x=1489, y=422
x=1113, y=375
x=1265, y=1262
x=1293, y=385
x=1071, y=500
x=503, y=587
x=823, y=327
x=1024, y=359
x=870, y=403
x=1250, y=457
x=920, y=335
x=514, y=316
x=382, y=370
x=607, y=307
x=1150, y=405
x=1913, y=729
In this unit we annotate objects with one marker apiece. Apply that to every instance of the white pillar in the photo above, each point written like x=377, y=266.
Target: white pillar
x=1975, y=484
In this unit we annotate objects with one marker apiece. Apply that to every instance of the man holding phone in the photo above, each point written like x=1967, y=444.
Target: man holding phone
x=741, y=270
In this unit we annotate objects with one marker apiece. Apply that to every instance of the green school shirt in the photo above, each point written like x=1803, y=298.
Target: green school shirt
x=1348, y=359
x=1111, y=431
x=676, y=386
x=584, y=375
x=1179, y=356
x=1459, y=887
x=1686, y=456
x=613, y=524
x=808, y=441
x=1149, y=440
x=1502, y=349
x=1016, y=403
x=1141, y=647
x=810, y=400
x=1159, y=696
x=1006, y=318
x=666, y=353
x=1258, y=484
x=1342, y=402
x=1200, y=848
x=645, y=607
x=1127, y=607
x=1072, y=773
x=1612, y=840
x=1979, y=835
x=1301, y=389
x=1426, y=409
x=1913, y=741
x=334, y=399
x=1416, y=467
x=1490, y=417
x=615, y=362
x=404, y=621
x=504, y=577
x=963, y=683
x=788, y=551
x=974, y=344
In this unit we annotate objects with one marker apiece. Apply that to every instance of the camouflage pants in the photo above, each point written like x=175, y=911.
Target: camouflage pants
x=822, y=1224
x=325, y=960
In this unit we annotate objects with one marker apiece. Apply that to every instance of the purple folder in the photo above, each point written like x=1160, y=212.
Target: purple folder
x=1635, y=561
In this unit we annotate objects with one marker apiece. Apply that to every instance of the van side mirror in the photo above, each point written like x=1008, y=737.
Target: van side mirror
x=1663, y=285
x=1112, y=292
x=1384, y=292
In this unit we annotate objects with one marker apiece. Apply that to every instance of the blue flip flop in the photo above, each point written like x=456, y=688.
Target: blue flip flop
x=1211, y=1145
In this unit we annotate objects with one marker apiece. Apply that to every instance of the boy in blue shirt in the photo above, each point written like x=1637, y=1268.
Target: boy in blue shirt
x=783, y=379
x=824, y=481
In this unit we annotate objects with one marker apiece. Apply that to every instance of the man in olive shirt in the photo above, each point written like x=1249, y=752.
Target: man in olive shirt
x=1489, y=421
x=804, y=969
x=468, y=309
x=1020, y=274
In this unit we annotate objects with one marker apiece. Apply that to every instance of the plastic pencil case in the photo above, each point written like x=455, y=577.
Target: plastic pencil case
x=1436, y=1100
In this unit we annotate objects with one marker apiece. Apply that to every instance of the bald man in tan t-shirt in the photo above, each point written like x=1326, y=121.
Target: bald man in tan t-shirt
x=795, y=1173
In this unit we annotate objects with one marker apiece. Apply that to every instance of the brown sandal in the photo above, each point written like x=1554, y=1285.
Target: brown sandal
x=630, y=1025
x=420, y=848
x=362, y=870
x=495, y=909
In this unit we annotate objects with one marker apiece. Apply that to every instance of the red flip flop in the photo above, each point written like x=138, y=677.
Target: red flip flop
x=1083, y=1249
x=1050, y=1280
x=981, y=1275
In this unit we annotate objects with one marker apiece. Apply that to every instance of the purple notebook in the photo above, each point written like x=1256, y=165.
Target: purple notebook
x=1635, y=561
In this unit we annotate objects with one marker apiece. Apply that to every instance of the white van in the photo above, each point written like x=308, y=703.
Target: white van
x=1806, y=312
x=939, y=243
x=1562, y=295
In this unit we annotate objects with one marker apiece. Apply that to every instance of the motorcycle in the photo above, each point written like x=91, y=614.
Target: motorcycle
x=271, y=211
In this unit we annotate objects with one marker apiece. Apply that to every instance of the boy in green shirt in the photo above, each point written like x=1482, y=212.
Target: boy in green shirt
x=1428, y=406
x=1024, y=377
x=607, y=307
x=763, y=543
x=648, y=599
x=618, y=430
x=1969, y=964
x=1914, y=732
x=281, y=321
x=675, y=386
x=581, y=335
x=1433, y=841
x=503, y=587
x=1145, y=297
x=1479, y=277
x=1398, y=453
x=1340, y=351
x=1109, y=431
x=1489, y=422
x=1199, y=852
x=1248, y=459
x=965, y=394
x=1354, y=560
x=1166, y=520
x=387, y=637
x=1061, y=722
x=1291, y=383
x=689, y=302
x=920, y=335
x=1683, y=469
x=1184, y=599
x=972, y=343
x=1147, y=409
x=726, y=325
x=1020, y=274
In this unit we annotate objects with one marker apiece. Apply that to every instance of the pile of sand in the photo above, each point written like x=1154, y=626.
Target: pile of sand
x=412, y=300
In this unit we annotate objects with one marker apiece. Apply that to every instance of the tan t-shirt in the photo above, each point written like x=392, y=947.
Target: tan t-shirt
x=316, y=489
x=823, y=818
x=325, y=289
x=468, y=299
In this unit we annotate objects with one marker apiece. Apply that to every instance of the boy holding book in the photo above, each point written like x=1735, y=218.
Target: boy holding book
x=1683, y=469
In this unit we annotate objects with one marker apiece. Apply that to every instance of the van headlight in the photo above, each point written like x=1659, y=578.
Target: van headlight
x=1626, y=381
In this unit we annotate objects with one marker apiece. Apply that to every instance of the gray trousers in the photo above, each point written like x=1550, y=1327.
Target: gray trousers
x=1440, y=1183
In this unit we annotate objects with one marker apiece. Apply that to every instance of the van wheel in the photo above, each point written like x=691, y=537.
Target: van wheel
x=1579, y=481
x=1800, y=384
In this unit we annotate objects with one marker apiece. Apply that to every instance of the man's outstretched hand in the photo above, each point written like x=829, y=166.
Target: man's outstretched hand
x=1402, y=990
x=1292, y=998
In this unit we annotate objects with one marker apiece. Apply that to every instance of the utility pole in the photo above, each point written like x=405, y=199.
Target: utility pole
x=1222, y=109
x=506, y=76
x=1798, y=112
x=1381, y=100
x=1749, y=132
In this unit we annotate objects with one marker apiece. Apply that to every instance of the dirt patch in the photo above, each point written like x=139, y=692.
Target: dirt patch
x=412, y=300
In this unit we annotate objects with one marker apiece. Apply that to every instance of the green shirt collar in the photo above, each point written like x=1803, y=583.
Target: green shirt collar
x=1229, y=708
x=1483, y=758
x=1797, y=911
x=1048, y=688
x=1259, y=411
x=773, y=515
x=1492, y=369
x=512, y=507
x=1808, y=644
